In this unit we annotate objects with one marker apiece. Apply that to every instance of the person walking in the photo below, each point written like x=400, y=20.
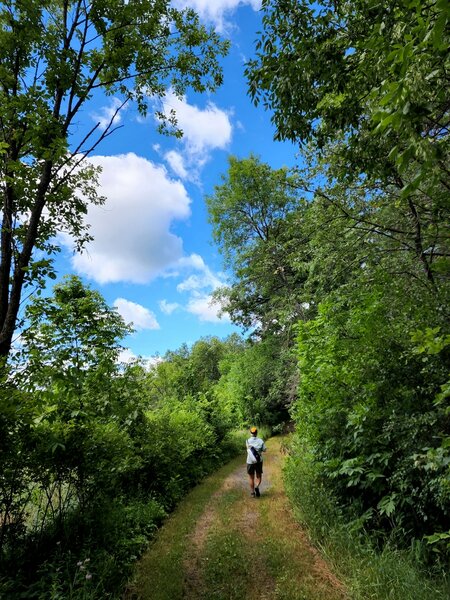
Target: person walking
x=255, y=448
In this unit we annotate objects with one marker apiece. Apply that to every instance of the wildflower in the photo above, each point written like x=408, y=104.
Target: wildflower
x=79, y=563
x=88, y=575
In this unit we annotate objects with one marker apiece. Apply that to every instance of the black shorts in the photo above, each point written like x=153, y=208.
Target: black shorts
x=255, y=468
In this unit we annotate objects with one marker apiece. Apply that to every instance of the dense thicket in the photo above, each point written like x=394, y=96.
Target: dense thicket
x=95, y=453
x=340, y=270
x=88, y=464
x=372, y=344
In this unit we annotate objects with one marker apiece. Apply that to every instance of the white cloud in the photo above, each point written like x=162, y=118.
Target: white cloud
x=108, y=114
x=176, y=162
x=168, y=307
x=193, y=261
x=204, y=130
x=199, y=286
x=206, y=309
x=215, y=10
x=127, y=356
x=197, y=281
x=136, y=314
x=193, y=282
x=132, y=237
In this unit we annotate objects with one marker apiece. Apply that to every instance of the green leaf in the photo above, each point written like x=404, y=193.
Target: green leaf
x=387, y=505
x=438, y=31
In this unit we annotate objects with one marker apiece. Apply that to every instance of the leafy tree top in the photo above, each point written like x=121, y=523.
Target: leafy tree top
x=376, y=73
x=70, y=333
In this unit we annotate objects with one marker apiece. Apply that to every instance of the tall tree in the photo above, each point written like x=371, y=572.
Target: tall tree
x=56, y=55
x=69, y=336
x=375, y=71
x=257, y=215
x=66, y=420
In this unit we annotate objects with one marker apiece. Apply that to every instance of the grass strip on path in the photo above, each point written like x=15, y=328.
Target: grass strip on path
x=159, y=574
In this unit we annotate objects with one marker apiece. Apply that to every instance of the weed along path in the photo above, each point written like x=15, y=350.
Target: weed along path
x=222, y=544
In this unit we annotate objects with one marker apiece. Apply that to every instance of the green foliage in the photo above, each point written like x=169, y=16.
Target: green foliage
x=371, y=307
x=362, y=87
x=118, y=533
x=176, y=453
x=256, y=384
x=195, y=377
x=69, y=335
x=258, y=217
x=345, y=540
x=256, y=214
x=367, y=405
x=93, y=452
x=349, y=254
x=375, y=72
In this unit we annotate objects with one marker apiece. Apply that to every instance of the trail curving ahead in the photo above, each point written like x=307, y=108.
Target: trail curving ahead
x=222, y=544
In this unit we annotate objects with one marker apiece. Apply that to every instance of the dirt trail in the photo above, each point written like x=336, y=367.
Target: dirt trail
x=238, y=547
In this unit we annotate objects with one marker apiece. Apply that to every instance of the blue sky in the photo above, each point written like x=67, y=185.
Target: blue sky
x=152, y=256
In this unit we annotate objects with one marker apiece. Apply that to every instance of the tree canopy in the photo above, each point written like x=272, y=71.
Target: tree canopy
x=375, y=73
x=256, y=213
x=339, y=268
x=367, y=93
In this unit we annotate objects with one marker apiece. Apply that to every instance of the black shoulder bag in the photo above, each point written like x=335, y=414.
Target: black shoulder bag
x=256, y=454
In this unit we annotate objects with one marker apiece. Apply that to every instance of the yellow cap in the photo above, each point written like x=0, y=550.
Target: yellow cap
x=253, y=430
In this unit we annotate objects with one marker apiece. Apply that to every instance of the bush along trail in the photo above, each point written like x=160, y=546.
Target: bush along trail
x=223, y=544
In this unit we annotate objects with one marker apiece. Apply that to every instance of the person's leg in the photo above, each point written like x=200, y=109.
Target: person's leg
x=251, y=478
x=258, y=478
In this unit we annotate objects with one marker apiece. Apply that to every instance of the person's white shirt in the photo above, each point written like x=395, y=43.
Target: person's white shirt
x=259, y=445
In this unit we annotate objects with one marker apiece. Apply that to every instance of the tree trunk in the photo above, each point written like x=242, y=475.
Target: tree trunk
x=13, y=295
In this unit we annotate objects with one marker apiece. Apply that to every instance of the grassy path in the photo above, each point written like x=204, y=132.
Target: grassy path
x=222, y=544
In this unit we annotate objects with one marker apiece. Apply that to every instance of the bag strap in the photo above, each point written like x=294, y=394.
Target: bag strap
x=255, y=453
